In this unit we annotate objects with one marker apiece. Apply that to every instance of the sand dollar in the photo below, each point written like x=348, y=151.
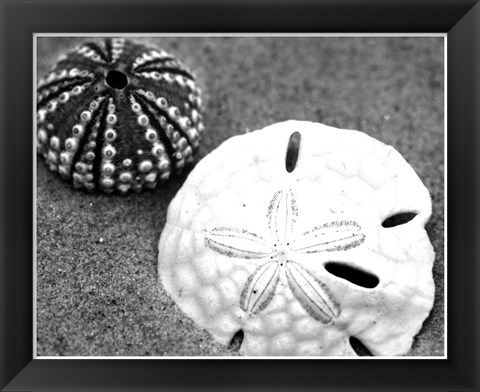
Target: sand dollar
x=316, y=248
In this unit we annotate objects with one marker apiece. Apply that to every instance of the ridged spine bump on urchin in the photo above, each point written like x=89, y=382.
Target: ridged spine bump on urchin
x=116, y=115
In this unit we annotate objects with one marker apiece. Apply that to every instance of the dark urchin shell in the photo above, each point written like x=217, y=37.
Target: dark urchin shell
x=118, y=115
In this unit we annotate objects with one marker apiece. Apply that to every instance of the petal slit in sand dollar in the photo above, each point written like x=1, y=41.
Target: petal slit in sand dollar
x=282, y=241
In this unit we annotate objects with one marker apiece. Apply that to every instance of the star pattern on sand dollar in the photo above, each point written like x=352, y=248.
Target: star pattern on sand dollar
x=276, y=255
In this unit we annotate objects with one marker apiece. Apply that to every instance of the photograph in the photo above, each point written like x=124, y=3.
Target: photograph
x=235, y=196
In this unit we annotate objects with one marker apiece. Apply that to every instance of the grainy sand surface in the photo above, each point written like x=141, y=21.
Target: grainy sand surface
x=97, y=291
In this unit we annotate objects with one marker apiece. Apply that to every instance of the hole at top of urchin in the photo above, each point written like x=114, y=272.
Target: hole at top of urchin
x=292, y=151
x=116, y=79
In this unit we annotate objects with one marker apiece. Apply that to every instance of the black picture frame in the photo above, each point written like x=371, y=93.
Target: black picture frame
x=19, y=20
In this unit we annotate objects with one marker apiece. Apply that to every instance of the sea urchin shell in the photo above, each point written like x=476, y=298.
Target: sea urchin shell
x=117, y=115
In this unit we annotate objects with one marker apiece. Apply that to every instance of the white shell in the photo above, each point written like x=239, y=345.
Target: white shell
x=247, y=244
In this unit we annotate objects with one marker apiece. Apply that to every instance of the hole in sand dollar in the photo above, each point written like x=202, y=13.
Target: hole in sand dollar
x=359, y=347
x=352, y=274
x=292, y=151
x=116, y=79
x=236, y=341
x=398, y=219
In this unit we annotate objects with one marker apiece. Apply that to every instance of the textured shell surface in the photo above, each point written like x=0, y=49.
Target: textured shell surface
x=299, y=238
x=116, y=115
